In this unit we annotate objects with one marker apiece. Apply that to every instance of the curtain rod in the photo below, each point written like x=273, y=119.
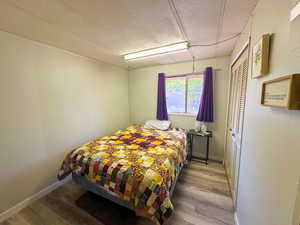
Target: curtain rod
x=187, y=74
x=184, y=74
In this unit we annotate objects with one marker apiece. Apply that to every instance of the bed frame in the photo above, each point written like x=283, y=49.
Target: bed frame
x=103, y=192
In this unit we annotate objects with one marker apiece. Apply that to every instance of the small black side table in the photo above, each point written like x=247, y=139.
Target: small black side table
x=190, y=139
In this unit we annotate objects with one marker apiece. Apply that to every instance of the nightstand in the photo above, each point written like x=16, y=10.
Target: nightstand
x=190, y=139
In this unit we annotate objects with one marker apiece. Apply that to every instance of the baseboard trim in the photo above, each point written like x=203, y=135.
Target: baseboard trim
x=236, y=219
x=21, y=205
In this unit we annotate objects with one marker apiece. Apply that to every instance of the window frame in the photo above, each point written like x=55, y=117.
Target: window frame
x=186, y=78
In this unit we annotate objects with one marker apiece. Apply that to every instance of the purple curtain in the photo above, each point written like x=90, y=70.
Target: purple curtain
x=206, y=109
x=161, y=113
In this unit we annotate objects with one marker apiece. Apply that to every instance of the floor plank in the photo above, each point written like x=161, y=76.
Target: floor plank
x=201, y=197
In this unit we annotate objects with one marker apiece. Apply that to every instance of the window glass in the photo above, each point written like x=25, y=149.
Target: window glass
x=194, y=94
x=184, y=94
x=175, y=93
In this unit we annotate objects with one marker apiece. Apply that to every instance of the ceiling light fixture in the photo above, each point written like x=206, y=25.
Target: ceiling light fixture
x=158, y=51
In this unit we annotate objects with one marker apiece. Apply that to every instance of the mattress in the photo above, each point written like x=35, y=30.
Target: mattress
x=138, y=165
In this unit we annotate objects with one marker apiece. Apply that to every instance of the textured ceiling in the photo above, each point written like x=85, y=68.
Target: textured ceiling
x=106, y=30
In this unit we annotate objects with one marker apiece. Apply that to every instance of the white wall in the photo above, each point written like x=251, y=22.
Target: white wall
x=51, y=102
x=270, y=164
x=143, y=96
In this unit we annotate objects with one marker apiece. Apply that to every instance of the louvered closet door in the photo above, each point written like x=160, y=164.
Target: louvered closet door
x=235, y=119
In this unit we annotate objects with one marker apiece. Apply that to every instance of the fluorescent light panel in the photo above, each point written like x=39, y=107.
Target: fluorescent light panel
x=295, y=12
x=157, y=51
x=155, y=56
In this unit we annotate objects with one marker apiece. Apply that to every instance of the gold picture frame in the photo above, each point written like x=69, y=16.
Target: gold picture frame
x=283, y=92
x=260, y=57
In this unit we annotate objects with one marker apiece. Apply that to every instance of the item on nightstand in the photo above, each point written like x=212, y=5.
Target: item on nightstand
x=203, y=128
x=204, y=133
x=197, y=126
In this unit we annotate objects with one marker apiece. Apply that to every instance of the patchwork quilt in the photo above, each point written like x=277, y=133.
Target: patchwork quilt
x=137, y=164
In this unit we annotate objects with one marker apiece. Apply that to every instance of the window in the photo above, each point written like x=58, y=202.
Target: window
x=183, y=93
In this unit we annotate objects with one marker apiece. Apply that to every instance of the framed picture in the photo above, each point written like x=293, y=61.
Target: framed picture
x=283, y=92
x=260, y=57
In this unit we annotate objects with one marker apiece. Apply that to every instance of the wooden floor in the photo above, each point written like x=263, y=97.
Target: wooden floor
x=201, y=197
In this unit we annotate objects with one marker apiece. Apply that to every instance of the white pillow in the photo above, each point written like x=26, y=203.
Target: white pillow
x=158, y=124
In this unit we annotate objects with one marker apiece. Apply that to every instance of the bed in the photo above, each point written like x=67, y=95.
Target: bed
x=135, y=167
